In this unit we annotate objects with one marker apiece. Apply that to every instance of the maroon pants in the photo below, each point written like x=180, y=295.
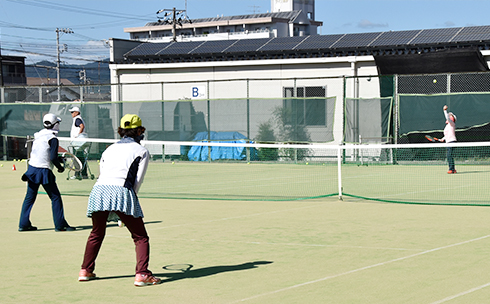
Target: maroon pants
x=138, y=232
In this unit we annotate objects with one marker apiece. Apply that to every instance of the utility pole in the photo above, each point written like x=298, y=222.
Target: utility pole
x=1, y=69
x=174, y=26
x=170, y=17
x=58, y=52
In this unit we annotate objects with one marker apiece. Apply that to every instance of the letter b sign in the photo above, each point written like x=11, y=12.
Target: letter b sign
x=198, y=92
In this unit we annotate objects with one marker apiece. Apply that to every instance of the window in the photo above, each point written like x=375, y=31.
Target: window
x=303, y=109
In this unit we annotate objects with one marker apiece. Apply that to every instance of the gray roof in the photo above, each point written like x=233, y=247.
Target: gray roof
x=292, y=15
x=375, y=43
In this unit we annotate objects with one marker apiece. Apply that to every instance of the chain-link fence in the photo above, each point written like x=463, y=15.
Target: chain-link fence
x=420, y=102
x=363, y=109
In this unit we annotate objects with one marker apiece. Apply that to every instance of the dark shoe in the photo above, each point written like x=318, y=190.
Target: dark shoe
x=67, y=228
x=30, y=228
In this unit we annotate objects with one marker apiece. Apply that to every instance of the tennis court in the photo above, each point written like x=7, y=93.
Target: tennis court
x=319, y=250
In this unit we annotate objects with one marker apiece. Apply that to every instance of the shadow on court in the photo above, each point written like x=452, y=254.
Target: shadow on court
x=90, y=227
x=471, y=172
x=113, y=225
x=188, y=273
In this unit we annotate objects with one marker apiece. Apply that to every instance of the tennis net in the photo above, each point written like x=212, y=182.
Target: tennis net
x=408, y=173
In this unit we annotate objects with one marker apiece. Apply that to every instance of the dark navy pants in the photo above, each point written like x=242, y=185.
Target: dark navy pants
x=450, y=159
x=56, y=204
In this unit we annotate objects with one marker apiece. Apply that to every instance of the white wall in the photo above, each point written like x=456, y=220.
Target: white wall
x=307, y=6
x=267, y=78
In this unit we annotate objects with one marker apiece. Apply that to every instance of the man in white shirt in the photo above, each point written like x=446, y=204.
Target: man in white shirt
x=78, y=125
x=449, y=137
x=78, y=131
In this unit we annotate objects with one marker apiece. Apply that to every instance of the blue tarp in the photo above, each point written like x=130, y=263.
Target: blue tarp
x=200, y=153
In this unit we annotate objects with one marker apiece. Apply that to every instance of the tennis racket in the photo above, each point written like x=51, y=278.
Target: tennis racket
x=178, y=267
x=430, y=138
x=71, y=162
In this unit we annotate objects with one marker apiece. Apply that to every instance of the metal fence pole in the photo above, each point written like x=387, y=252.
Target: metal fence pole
x=4, y=138
x=209, y=121
x=396, y=109
x=163, y=116
x=248, y=120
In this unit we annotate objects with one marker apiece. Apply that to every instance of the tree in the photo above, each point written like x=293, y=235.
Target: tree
x=266, y=135
x=291, y=130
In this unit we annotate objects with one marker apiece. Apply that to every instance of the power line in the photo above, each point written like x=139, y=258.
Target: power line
x=24, y=37
x=13, y=25
x=65, y=67
x=77, y=9
x=102, y=46
x=44, y=49
x=51, y=55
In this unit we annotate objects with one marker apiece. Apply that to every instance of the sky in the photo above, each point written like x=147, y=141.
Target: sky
x=28, y=27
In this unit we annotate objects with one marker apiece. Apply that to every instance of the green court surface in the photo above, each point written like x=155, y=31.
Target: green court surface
x=321, y=250
x=403, y=183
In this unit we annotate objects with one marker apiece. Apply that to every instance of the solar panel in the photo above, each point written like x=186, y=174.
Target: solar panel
x=147, y=49
x=394, y=38
x=473, y=33
x=435, y=35
x=283, y=43
x=356, y=40
x=246, y=45
x=178, y=48
x=318, y=42
x=213, y=47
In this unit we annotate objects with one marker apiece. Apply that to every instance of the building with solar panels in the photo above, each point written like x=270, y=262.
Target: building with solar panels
x=286, y=69
x=287, y=18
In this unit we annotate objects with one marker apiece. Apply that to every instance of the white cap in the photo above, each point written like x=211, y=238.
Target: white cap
x=75, y=109
x=49, y=120
x=455, y=118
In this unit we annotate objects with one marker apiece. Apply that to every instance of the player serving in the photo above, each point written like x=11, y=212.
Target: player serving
x=449, y=137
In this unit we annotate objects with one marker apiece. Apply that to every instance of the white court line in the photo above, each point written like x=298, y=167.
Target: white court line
x=361, y=269
x=240, y=216
x=461, y=294
x=303, y=245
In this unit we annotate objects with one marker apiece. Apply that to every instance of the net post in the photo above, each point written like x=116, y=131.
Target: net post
x=339, y=170
x=247, y=151
x=361, y=156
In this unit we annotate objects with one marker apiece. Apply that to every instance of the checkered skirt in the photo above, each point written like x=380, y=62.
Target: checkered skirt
x=113, y=198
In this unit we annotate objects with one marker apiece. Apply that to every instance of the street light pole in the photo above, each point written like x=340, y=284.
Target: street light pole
x=58, y=53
